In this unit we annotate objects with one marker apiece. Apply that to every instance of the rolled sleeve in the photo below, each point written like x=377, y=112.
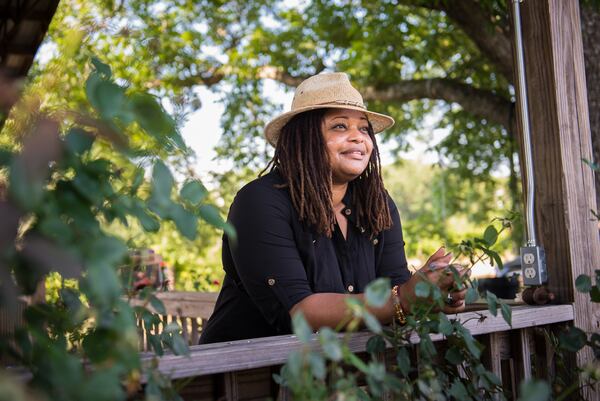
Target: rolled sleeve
x=265, y=255
x=393, y=262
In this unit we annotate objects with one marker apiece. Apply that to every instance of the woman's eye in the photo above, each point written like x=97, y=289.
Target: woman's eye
x=338, y=126
x=365, y=130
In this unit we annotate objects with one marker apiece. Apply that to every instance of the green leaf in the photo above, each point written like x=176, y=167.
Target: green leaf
x=179, y=345
x=149, y=223
x=97, y=344
x=377, y=292
x=358, y=363
x=403, y=360
x=472, y=345
x=573, y=339
x=506, y=313
x=153, y=119
x=534, y=390
x=371, y=322
x=301, y=328
x=426, y=345
x=445, y=326
x=317, y=365
x=330, y=344
x=79, y=141
x=28, y=192
x=211, y=215
x=454, y=356
x=494, y=258
x=108, y=98
x=583, y=283
x=106, y=250
x=87, y=187
x=101, y=285
x=375, y=344
x=458, y=390
x=158, y=305
x=138, y=180
x=422, y=289
x=172, y=327
x=471, y=296
x=193, y=192
x=376, y=370
x=595, y=294
x=492, y=302
x=186, y=222
x=490, y=236
x=162, y=181
x=101, y=68
x=491, y=378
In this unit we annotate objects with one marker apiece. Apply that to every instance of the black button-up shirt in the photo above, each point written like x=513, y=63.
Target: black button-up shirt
x=277, y=261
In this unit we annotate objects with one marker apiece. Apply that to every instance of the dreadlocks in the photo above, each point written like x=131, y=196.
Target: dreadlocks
x=302, y=160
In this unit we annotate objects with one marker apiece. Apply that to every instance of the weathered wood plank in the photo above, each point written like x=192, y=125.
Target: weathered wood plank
x=561, y=138
x=183, y=303
x=269, y=351
x=522, y=349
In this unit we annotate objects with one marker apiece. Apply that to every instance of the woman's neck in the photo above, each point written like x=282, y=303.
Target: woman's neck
x=337, y=195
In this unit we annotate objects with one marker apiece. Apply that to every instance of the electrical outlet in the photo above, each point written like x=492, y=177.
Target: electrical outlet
x=533, y=264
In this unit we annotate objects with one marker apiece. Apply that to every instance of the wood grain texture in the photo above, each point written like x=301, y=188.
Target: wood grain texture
x=561, y=138
x=184, y=303
x=269, y=351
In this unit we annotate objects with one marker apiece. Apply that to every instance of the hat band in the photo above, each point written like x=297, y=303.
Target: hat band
x=346, y=103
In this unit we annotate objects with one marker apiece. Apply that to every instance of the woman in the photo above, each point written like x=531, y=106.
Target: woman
x=319, y=226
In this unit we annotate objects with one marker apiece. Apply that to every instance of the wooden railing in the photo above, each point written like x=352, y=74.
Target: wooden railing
x=189, y=309
x=243, y=369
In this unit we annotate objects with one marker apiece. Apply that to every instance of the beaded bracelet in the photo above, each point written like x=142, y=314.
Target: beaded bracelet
x=400, y=316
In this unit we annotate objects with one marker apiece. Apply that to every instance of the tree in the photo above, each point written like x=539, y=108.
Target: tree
x=71, y=176
x=429, y=63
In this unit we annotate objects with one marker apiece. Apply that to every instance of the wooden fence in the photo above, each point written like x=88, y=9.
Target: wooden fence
x=242, y=370
x=189, y=309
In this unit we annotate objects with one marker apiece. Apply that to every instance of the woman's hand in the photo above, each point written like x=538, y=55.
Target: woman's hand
x=436, y=271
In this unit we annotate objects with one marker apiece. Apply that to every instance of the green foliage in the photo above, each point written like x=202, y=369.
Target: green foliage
x=534, y=390
x=434, y=208
x=428, y=376
x=171, y=47
x=64, y=190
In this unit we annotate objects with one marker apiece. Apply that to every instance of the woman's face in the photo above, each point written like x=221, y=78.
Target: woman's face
x=349, y=145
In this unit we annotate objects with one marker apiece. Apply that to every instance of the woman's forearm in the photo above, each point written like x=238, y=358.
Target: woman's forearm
x=330, y=309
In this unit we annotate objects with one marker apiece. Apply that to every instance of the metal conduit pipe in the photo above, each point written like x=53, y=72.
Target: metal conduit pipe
x=524, y=122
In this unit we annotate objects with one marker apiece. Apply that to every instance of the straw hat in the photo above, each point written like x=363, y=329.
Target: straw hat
x=330, y=90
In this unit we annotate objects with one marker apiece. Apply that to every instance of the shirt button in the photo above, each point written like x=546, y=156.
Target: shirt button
x=350, y=288
x=375, y=241
x=271, y=281
x=347, y=212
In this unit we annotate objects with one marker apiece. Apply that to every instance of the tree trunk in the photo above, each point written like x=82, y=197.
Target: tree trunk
x=590, y=27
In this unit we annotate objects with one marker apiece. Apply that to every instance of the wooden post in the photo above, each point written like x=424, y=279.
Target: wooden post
x=561, y=138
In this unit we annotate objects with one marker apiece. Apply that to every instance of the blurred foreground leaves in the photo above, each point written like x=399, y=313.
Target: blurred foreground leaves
x=74, y=174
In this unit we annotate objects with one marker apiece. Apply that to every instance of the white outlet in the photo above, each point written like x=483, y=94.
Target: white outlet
x=528, y=258
x=533, y=260
x=529, y=272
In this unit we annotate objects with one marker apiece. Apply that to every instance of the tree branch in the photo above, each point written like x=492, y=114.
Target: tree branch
x=279, y=74
x=479, y=102
x=492, y=40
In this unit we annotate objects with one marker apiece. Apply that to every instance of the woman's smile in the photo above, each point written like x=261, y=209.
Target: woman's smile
x=357, y=154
